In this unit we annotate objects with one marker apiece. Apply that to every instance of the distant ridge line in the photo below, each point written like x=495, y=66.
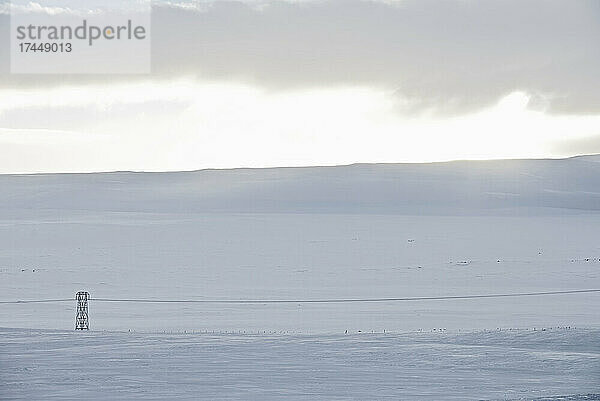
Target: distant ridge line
x=583, y=157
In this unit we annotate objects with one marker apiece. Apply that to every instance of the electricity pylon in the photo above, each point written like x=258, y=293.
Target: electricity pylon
x=82, y=319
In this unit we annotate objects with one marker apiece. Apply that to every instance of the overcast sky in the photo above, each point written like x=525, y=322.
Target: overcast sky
x=317, y=82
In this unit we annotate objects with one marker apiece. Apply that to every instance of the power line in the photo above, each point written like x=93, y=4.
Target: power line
x=344, y=300
x=37, y=301
x=320, y=301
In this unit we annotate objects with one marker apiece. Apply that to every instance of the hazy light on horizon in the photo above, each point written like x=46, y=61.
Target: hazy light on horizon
x=187, y=125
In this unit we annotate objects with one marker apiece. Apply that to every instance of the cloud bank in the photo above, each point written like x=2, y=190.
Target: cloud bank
x=442, y=56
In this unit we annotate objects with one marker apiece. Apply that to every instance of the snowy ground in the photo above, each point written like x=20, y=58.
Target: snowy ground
x=302, y=256
x=320, y=233
x=416, y=366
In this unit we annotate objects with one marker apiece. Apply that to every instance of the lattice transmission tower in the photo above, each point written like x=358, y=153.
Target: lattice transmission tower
x=82, y=319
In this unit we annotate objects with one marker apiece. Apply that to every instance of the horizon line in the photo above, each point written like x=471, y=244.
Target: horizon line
x=297, y=167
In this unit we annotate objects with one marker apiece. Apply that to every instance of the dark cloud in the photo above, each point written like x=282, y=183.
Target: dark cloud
x=452, y=56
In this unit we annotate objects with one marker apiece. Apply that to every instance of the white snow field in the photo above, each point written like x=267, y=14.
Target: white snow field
x=349, y=232
x=523, y=365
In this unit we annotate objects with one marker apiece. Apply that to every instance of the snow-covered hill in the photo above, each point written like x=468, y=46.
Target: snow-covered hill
x=461, y=187
x=361, y=231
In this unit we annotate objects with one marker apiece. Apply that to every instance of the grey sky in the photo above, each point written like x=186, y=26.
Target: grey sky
x=449, y=55
x=259, y=83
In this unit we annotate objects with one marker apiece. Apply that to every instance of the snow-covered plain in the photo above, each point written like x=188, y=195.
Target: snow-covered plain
x=362, y=231
x=521, y=365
